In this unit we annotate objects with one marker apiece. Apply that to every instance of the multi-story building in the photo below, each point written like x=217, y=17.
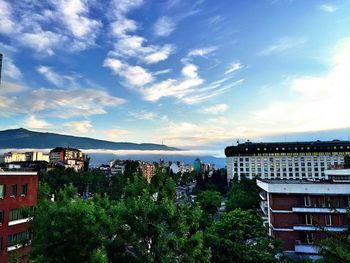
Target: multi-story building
x=148, y=170
x=18, y=196
x=286, y=160
x=67, y=157
x=37, y=156
x=11, y=157
x=301, y=212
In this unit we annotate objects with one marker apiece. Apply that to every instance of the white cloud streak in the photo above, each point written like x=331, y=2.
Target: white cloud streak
x=281, y=45
x=215, y=109
x=164, y=26
x=328, y=8
x=50, y=75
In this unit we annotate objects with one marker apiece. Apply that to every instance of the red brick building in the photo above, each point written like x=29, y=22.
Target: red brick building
x=300, y=212
x=18, y=196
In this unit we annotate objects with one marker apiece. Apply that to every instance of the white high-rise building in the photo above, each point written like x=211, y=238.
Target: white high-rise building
x=285, y=160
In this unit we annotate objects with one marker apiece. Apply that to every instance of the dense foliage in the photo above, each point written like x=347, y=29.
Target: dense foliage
x=243, y=194
x=129, y=220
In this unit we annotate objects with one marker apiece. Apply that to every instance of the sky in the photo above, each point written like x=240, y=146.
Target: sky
x=191, y=74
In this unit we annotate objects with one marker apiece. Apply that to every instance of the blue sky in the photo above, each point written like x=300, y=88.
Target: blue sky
x=193, y=74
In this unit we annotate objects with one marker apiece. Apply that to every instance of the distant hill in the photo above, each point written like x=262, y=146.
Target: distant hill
x=22, y=138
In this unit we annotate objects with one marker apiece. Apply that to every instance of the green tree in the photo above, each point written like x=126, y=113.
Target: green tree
x=243, y=194
x=68, y=230
x=240, y=237
x=146, y=230
x=336, y=248
x=210, y=201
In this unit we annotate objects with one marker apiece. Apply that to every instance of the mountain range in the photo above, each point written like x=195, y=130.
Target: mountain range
x=23, y=138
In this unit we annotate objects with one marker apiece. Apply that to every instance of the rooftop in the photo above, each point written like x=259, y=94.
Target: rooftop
x=287, y=147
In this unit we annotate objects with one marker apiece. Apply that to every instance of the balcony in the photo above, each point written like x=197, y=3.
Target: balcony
x=319, y=210
x=306, y=248
x=317, y=228
x=20, y=221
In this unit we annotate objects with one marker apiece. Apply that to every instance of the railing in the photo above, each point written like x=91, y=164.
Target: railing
x=306, y=248
x=320, y=209
x=304, y=227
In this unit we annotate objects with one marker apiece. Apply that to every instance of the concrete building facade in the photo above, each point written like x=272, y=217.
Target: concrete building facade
x=300, y=212
x=18, y=196
x=286, y=160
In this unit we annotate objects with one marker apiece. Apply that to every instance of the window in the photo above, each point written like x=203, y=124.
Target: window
x=21, y=213
x=307, y=201
x=1, y=217
x=308, y=219
x=18, y=238
x=328, y=220
x=24, y=189
x=14, y=190
x=2, y=191
x=310, y=238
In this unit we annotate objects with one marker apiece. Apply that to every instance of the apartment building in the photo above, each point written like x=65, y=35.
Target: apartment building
x=301, y=212
x=285, y=160
x=11, y=157
x=18, y=196
x=67, y=157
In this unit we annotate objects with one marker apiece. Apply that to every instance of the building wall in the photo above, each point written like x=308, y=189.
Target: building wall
x=19, y=201
x=283, y=218
x=283, y=166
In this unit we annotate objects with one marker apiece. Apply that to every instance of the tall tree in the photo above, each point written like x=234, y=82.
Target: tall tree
x=240, y=237
x=243, y=194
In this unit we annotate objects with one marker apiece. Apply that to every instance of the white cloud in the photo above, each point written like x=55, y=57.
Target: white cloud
x=42, y=41
x=164, y=26
x=317, y=102
x=328, y=8
x=134, y=75
x=233, y=67
x=8, y=88
x=281, y=45
x=32, y=122
x=188, y=90
x=122, y=26
x=163, y=71
x=78, y=127
x=75, y=17
x=122, y=7
x=6, y=20
x=61, y=103
x=201, y=52
x=50, y=75
x=133, y=47
x=215, y=109
x=190, y=71
x=10, y=70
x=160, y=54
x=143, y=115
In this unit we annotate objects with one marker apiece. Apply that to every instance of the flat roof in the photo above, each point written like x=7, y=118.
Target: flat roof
x=304, y=187
x=17, y=173
x=249, y=148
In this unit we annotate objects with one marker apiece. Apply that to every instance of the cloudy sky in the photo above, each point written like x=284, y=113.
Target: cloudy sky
x=193, y=74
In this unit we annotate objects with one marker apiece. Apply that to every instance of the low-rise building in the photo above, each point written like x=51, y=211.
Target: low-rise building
x=18, y=196
x=301, y=212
